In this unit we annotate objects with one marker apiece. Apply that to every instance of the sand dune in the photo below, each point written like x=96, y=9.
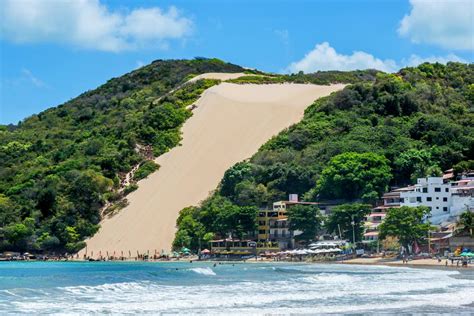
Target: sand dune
x=229, y=124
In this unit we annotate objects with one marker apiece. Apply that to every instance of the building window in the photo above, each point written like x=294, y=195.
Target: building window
x=418, y=199
x=412, y=200
x=437, y=207
x=445, y=199
x=447, y=189
x=428, y=199
x=437, y=189
x=402, y=200
x=261, y=232
x=425, y=190
x=437, y=197
x=445, y=209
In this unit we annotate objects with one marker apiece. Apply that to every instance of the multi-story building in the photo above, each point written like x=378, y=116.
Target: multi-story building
x=273, y=225
x=445, y=199
x=372, y=224
x=462, y=196
x=433, y=193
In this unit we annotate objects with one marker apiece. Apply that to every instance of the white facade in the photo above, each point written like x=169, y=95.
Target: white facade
x=445, y=200
x=462, y=196
x=430, y=192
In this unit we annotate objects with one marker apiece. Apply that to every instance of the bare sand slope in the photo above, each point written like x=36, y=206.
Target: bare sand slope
x=229, y=125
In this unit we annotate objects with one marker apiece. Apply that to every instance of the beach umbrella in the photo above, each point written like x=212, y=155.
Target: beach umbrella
x=206, y=251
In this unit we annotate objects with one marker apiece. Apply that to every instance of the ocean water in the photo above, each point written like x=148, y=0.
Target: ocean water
x=199, y=288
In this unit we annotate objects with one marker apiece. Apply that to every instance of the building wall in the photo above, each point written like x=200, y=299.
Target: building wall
x=430, y=192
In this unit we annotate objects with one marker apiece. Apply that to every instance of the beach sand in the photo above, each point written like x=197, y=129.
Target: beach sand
x=419, y=263
x=229, y=124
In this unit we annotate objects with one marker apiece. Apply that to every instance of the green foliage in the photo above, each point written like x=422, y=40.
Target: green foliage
x=383, y=130
x=405, y=223
x=145, y=169
x=305, y=218
x=466, y=221
x=352, y=175
x=389, y=131
x=343, y=216
x=130, y=188
x=217, y=216
x=61, y=166
x=320, y=77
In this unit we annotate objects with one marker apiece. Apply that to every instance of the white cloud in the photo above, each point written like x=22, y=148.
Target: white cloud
x=89, y=24
x=324, y=57
x=445, y=23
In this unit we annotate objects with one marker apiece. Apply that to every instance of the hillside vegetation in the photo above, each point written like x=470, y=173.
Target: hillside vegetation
x=350, y=146
x=61, y=167
x=320, y=77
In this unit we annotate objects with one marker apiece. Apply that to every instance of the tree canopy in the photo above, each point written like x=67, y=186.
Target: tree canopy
x=61, y=167
x=355, y=175
x=407, y=224
x=305, y=218
x=349, y=219
x=382, y=130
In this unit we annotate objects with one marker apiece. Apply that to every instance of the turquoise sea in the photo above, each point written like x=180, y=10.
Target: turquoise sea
x=40, y=288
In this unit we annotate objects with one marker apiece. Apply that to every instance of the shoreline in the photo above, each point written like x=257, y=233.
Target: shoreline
x=431, y=264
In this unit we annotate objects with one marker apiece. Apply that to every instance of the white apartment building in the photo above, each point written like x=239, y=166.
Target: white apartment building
x=462, y=196
x=445, y=200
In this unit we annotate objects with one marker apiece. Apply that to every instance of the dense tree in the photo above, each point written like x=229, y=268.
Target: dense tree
x=60, y=167
x=352, y=176
x=405, y=223
x=305, y=218
x=349, y=220
x=384, y=129
x=466, y=221
x=197, y=226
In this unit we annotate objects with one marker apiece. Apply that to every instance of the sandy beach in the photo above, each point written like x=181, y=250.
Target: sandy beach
x=229, y=124
x=420, y=263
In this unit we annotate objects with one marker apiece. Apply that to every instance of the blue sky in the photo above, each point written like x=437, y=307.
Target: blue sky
x=53, y=50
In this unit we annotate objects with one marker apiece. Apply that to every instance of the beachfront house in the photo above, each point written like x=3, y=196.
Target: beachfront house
x=446, y=199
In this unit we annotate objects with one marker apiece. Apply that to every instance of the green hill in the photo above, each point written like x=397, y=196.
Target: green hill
x=64, y=168
x=61, y=167
x=351, y=145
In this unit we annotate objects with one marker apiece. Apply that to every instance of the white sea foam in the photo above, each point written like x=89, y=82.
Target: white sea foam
x=305, y=289
x=204, y=271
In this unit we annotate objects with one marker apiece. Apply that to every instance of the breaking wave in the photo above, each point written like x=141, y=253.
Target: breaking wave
x=245, y=289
